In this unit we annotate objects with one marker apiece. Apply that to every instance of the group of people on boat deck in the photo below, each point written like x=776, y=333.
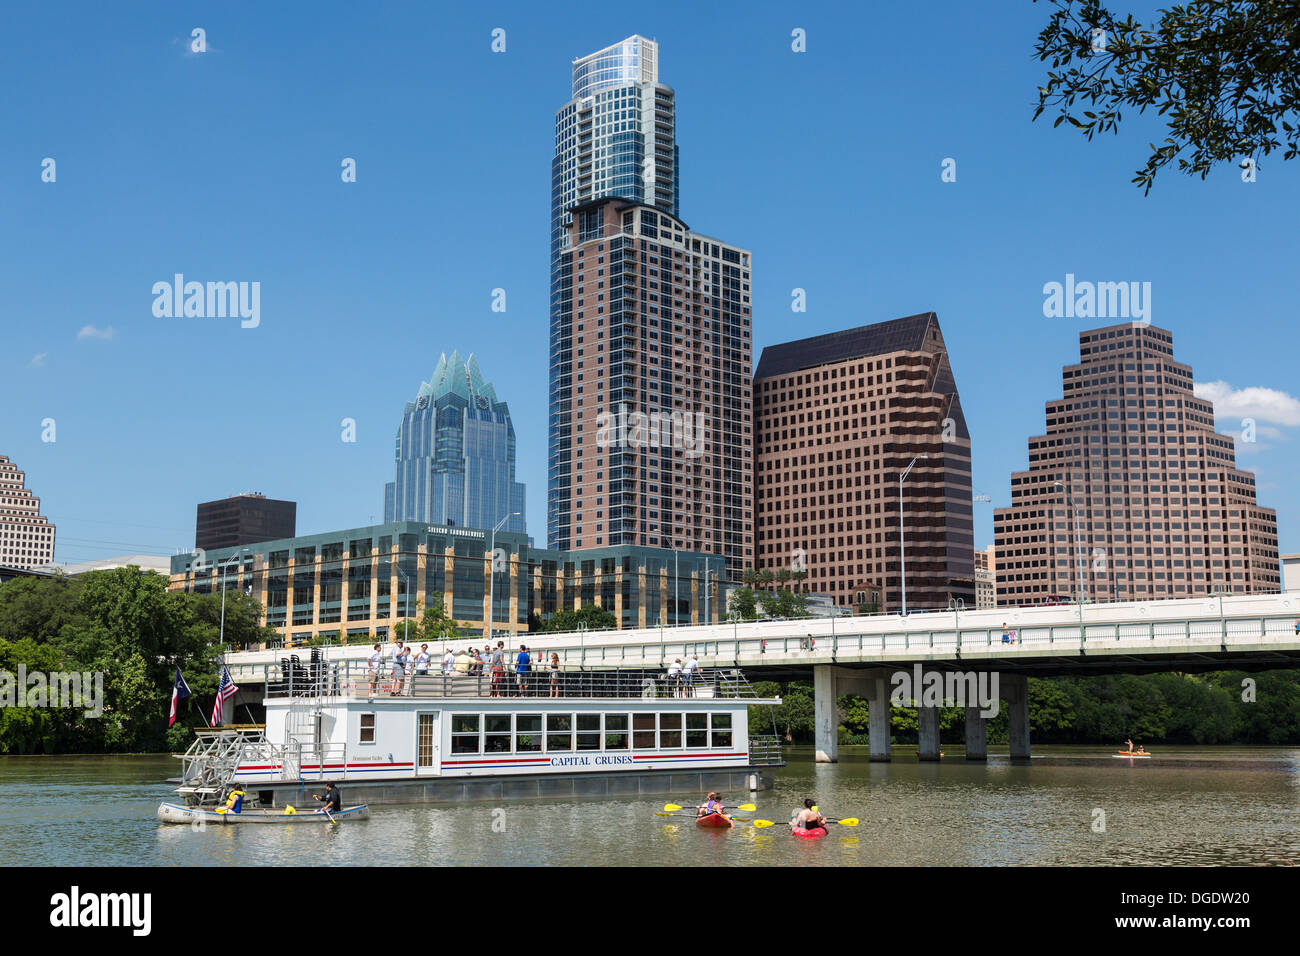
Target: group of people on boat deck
x=681, y=677
x=469, y=662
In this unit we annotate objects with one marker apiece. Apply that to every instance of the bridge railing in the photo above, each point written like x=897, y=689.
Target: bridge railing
x=831, y=638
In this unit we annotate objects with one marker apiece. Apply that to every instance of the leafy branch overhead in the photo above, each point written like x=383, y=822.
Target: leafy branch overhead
x=1225, y=74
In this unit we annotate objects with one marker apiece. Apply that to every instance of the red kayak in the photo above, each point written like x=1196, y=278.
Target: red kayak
x=809, y=834
x=714, y=820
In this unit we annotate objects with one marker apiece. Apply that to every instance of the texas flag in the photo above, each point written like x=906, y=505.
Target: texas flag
x=180, y=690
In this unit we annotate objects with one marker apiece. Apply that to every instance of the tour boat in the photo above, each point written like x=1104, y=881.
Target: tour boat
x=450, y=737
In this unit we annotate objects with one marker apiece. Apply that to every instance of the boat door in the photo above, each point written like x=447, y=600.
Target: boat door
x=428, y=743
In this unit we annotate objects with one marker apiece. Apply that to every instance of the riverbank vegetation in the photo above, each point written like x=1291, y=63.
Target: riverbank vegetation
x=125, y=625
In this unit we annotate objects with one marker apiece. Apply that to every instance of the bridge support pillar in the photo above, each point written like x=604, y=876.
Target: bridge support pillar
x=927, y=721
x=878, y=708
x=977, y=739
x=826, y=719
x=1015, y=692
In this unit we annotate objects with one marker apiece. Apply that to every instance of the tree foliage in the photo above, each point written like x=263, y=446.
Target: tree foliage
x=1224, y=75
x=125, y=625
x=590, y=616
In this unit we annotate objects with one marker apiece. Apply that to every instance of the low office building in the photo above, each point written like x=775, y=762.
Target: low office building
x=358, y=583
x=986, y=577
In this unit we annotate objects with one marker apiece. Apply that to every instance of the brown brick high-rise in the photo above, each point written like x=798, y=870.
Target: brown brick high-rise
x=650, y=388
x=839, y=418
x=1150, y=502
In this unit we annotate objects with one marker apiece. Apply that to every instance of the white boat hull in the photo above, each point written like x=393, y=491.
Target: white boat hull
x=175, y=813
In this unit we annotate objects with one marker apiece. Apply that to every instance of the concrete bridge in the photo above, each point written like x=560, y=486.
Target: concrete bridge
x=867, y=655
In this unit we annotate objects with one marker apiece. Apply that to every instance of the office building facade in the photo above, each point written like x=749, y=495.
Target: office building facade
x=986, y=577
x=26, y=535
x=839, y=418
x=455, y=454
x=243, y=519
x=1131, y=494
x=356, y=584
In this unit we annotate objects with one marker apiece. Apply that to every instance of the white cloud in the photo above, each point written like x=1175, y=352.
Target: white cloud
x=38, y=361
x=90, y=332
x=1261, y=404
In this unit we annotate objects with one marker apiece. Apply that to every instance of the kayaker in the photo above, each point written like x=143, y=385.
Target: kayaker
x=713, y=804
x=333, y=798
x=809, y=818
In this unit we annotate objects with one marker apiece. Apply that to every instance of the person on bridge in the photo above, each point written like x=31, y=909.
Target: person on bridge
x=809, y=818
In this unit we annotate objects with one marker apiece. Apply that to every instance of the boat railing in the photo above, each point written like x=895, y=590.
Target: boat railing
x=765, y=751
x=354, y=679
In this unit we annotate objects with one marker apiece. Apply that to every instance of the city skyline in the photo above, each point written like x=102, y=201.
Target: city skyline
x=176, y=402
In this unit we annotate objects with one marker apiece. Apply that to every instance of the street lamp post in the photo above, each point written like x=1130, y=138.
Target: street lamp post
x=1078, y=536
x=492, y=571
x=406, y=625
x=221, y=634
x=902, y=552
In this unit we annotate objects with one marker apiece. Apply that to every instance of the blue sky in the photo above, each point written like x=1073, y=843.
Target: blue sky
x=225, y=166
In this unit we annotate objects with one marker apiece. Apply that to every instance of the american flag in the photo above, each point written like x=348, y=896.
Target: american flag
x=225, y=690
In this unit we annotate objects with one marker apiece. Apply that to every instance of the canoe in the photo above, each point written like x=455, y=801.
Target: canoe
x=1125, y=753
x=808, y=834
x=176, y=813
x=714, y=821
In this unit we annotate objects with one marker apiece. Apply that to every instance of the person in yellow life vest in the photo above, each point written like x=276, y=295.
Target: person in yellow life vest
x=234, y=803
x=288, y=808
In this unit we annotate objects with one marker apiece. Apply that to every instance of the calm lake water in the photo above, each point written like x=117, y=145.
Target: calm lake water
x=1238, y=806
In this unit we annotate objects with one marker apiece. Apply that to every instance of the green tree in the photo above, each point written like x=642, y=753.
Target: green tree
x=594, y=617
x=435, y=625
x=1224, y=75
x=744, y=604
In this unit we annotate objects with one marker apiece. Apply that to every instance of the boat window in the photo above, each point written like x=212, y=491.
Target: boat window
x=496, y=738
x=465, y=733
x=367, y=728
x=589, y=731
x=559, y=732
x=697, y=730
x=722, y=730
x=670, y=730
x=528, y=733
x=616, y=731
x=643, y=731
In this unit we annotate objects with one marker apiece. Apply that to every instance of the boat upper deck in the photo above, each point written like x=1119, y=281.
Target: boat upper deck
x=293, y=678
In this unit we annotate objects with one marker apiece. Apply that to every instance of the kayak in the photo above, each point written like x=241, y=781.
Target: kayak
x=808, y=834
x=1126, y=753
x=175, y=813
x=714, y=821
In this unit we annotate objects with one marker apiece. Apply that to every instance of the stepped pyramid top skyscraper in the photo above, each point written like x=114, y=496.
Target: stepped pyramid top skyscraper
x=455, y=454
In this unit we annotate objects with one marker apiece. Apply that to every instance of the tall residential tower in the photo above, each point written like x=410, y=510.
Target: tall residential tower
x=650, y=398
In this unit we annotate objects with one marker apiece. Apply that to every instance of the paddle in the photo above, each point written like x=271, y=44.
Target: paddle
x=846, y=822
x=747, y=807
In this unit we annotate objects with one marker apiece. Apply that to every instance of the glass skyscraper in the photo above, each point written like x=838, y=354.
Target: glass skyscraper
x=455, y=454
